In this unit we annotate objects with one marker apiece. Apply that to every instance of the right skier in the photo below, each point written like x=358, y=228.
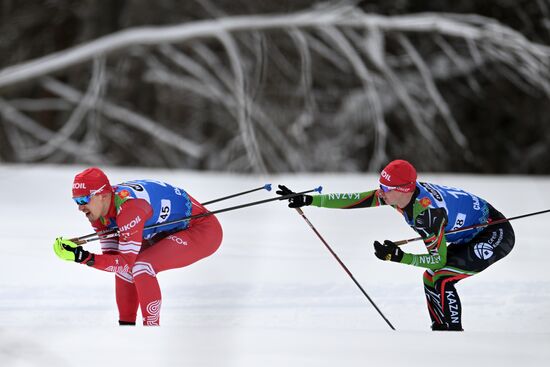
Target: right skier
x=431, y=210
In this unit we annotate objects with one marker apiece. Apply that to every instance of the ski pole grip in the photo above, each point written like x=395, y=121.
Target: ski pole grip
x=78, y=241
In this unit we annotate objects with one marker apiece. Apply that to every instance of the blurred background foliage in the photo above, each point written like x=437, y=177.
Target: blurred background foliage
x=320, y=122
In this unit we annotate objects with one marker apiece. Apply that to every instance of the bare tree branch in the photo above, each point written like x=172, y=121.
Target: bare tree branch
x=36, y=130
x=281, y=91
x=76, y=118
x=129, y=118
x=419, y=23
x=433, y=91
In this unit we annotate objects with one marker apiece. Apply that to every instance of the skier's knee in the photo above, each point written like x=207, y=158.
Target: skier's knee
x=143, y=268
x=428, y=278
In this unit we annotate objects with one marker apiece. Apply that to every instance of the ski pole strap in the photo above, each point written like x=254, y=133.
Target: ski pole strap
x=468, y=228
x=114, y=233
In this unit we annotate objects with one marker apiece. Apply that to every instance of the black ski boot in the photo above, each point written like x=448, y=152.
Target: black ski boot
x=445, y=327
x=126, y=323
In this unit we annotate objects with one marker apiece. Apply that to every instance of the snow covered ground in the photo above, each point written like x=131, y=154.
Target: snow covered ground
x=272, y=295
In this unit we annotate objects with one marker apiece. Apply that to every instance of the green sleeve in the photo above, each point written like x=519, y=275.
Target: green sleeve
x=434, y=260
x=433, y=235
x=352, y=200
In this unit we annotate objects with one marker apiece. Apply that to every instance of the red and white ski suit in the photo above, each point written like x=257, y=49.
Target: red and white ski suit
x=136, y=261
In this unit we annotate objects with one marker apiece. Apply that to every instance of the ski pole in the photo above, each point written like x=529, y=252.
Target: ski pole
x=468, y=228
x=301, y=212
x=265, y=187
x=111, y=230
x=84, y=239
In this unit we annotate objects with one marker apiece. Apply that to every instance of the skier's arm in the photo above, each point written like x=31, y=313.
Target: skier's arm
x=341, y=201
x=130, y=221
x=354, y=200
x=109, y=244
x=430, y=224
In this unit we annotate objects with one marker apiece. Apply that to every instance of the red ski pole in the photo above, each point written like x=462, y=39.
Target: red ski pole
x=301, y=212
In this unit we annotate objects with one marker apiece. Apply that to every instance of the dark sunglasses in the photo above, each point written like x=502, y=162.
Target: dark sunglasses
x=83, y=200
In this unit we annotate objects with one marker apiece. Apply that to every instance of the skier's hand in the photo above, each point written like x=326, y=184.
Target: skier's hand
x=70, y=251
x=388, y=251
x=295, y=201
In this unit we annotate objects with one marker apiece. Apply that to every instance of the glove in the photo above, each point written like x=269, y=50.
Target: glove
x=388, y=251
x=295, y=201
x=70, y=251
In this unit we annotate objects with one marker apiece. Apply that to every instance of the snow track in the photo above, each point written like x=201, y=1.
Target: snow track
x=272, y=295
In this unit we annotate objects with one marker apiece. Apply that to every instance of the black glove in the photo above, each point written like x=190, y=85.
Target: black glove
x=388, y=251
x=81, y=255
x=70, y=251
x=295, y=201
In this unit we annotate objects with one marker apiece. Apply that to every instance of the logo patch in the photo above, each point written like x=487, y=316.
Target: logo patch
x=177, y=240
x=432, y=191
x=425, y=202
x=130, y=225
x=483, y=250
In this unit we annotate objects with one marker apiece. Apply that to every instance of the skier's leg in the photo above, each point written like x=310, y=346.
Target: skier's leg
x=148, y=289
x=444, y=281
x=433, y=301
x=127, y=301
x=467, y=259
x=177, y=250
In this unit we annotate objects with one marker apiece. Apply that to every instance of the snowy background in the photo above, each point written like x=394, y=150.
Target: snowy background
x=272, y=295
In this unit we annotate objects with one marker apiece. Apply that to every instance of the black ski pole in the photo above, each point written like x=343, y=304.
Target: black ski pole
x=301, y=212
x=84, y=239
x=264, y=187
x=108, y=231
x=468, y=228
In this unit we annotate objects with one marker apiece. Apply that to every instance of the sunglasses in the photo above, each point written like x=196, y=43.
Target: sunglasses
x=387, y=188
x=83, y=200
x=390, y=188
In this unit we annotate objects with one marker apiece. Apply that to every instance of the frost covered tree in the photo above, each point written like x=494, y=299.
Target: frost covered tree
x=328, y=88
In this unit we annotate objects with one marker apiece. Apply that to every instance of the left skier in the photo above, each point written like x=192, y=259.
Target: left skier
x=136, y=255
